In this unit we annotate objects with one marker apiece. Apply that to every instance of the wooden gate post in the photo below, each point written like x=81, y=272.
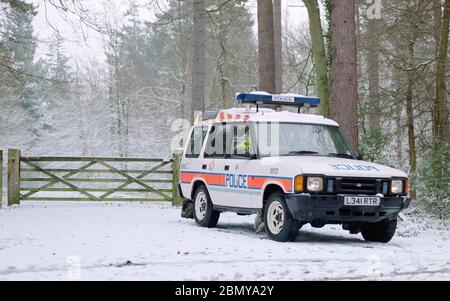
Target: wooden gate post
x=13, y=177
x=1, y=178
x=176, y=198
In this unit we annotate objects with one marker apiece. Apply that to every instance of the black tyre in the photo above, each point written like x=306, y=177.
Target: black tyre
x=381, y=231
x=204, y=213
x=279, y=223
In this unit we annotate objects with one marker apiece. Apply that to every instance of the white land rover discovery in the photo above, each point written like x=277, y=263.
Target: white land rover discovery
x=291, y=168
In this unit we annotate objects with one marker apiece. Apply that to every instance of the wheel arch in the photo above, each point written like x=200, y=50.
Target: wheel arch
x=195, y=184
x=270, y=189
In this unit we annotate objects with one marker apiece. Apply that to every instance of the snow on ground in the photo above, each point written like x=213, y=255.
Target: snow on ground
x=132, y=241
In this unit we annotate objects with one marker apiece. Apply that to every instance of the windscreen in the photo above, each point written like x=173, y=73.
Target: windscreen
x=292, y=139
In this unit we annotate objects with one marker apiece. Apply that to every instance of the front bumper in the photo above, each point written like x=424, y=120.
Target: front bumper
x=325, y=209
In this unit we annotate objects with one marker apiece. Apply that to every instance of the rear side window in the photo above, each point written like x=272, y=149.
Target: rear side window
x=215, y=146
x=196, y=142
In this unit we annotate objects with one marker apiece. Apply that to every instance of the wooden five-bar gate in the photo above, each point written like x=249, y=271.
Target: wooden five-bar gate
x=45, y=178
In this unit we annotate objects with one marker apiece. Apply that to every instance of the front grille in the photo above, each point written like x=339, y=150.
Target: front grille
x=357, y=186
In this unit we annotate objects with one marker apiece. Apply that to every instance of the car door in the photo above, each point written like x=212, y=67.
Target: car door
x=191, y=161
x=213, y=163
x=238, y=166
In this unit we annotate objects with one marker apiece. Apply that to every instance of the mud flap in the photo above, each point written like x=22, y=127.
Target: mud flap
x=187, y=209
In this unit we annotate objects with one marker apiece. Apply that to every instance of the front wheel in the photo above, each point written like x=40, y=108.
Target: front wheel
x=204, y=213
x=279, y=223
x=381, y=231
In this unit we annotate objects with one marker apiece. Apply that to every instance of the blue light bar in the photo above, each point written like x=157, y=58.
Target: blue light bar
x=260, y=98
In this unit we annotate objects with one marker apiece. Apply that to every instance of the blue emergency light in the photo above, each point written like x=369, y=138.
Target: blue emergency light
x=264, y=98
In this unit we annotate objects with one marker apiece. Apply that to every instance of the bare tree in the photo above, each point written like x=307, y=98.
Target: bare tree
x=373, y=60
x=410, y=107
x=440, y=109
x=343, y=69
x=319, y=56
x=198, y=59
x=278, y=44
x=266, y=48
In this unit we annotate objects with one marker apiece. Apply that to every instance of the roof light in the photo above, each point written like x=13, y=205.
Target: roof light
x=224, y=116
x=221, y=116
x=260, y=97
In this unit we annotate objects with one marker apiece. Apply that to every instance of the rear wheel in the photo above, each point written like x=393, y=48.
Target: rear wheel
x=279, y=223
x=381, y=231
x=204, y=213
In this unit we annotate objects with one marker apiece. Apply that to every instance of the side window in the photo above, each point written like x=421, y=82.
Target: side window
x=215, y=145
x=196, y=142
x=242, y=144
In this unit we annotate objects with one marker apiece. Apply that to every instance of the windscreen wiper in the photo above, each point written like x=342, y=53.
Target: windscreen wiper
x=341, y=155
x=301, y=152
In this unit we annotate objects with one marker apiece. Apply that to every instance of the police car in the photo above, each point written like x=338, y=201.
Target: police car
x=291, y=168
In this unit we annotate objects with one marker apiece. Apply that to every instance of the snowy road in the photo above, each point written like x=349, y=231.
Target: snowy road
x=125, y=241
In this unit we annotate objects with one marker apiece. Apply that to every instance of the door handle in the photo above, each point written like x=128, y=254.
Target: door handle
x=227, y=167
x=204, y=166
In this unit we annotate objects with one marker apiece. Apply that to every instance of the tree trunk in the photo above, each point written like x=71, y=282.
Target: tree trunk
x=343, y=69
x=319, y=56
x=373, y=72
x=437, y=17
x=410, y=115
x=440, y=109
x=198, y=61
x=398, y=113
x=278, y=44
x=223, y=84
x=183, y=62
x=266, y=48
x=360, y=13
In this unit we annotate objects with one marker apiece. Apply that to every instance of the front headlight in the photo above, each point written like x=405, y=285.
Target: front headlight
x=314, y=184
x=396, y=186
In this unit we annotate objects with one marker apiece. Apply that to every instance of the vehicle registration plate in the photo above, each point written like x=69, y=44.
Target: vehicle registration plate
x=361, y=201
